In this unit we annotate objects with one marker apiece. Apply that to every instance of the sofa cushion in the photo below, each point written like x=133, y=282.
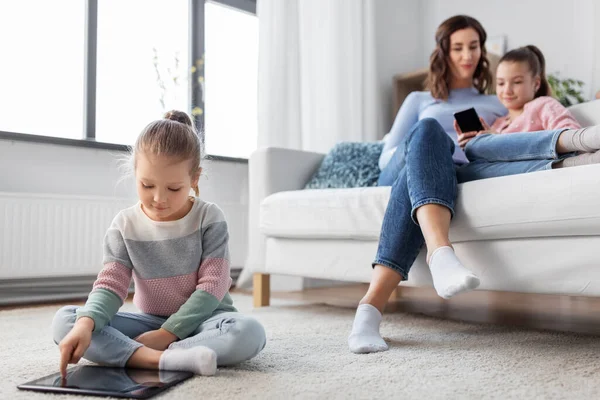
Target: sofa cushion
x=587, y=113
x=348, y=165
x=559, y=202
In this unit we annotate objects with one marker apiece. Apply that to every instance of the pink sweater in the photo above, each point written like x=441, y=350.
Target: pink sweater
x=541, y=114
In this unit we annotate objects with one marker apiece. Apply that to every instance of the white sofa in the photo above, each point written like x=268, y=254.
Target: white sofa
x=532, y=233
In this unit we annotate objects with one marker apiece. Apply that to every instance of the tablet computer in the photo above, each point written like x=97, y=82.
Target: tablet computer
x=107, y=381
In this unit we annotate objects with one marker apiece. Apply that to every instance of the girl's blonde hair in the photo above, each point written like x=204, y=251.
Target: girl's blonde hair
x=173, y=136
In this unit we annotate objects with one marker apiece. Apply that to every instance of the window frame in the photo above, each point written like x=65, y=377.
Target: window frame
x=196, y=24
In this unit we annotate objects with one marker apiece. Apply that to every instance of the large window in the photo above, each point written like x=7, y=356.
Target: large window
x=143, y=65
x=102, y=69
x=41, y=72
x=231, y=69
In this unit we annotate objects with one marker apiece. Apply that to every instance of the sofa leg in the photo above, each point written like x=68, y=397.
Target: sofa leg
x=262, y=290
x=396, y=294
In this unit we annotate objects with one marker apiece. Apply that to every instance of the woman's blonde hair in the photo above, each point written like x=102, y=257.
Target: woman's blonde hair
x=438, y=78
x=173, y=136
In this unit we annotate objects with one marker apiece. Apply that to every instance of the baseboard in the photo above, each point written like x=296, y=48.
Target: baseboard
x=38, y=290
x=235, y=274
x=41, y=290
x=313, y=283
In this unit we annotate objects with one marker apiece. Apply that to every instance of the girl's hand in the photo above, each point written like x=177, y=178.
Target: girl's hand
x=464, y=138
x=159, y=339
x=75, y=343
x=486, y=128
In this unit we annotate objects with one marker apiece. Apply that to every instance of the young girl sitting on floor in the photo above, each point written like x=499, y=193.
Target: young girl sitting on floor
x=175, y=247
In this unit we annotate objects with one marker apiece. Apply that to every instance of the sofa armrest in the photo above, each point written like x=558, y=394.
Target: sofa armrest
x=273, y=170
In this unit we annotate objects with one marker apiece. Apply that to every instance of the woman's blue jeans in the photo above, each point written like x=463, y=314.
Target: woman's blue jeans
x=423, y=172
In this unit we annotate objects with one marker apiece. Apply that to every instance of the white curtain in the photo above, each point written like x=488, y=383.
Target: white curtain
x=317, y=82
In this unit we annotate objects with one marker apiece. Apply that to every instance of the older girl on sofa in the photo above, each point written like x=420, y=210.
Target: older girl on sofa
x=523, y=89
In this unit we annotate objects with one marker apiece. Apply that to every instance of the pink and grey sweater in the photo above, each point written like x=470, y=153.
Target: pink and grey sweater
x=180, y=268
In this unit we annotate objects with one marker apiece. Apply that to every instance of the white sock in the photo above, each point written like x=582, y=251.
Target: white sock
x=585, y=139
x=449, y=276
x=581, y=159
x=365, y=337
x=199, y=360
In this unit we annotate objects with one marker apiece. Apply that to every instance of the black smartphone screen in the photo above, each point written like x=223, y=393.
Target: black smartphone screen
x=468, y=120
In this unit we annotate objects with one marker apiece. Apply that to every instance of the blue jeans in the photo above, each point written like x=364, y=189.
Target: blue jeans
x=494, y=155
x=424, y=173
x=233, y=336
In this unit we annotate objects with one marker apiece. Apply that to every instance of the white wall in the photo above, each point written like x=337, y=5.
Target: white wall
x=566, y=31
x=399, y=46
x=596, y=81
x=404, y=30
x=57, y=169
x=226, y=184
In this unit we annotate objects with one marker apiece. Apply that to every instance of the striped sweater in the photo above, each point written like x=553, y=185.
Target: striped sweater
x=180, y=268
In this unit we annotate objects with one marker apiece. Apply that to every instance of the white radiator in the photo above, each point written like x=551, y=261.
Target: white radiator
x=47, y=236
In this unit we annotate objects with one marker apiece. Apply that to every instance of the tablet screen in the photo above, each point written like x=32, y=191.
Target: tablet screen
x=116, y=382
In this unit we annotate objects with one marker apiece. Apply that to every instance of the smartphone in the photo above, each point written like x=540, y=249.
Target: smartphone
x=468, y=120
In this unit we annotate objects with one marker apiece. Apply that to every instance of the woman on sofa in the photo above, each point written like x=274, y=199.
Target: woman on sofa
x=421, y=161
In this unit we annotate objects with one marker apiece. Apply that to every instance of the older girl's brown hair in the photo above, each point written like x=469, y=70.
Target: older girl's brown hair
x=173, y=136
x=438, y=78
x=537, y=65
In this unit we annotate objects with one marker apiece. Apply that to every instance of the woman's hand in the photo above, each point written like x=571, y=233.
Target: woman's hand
x=464, y=138
x=159, y=339
x=75, y=343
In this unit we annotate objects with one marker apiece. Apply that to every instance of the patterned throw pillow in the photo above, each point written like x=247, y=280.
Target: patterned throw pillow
x=348, y=165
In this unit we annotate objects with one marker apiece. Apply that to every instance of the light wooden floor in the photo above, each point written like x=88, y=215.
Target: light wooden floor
x=560, y=313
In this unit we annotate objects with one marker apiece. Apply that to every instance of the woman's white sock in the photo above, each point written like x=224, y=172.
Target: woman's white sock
x=365, y=337
x=449, y=276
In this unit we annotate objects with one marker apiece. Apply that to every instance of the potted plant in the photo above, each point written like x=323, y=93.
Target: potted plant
x=567, y=91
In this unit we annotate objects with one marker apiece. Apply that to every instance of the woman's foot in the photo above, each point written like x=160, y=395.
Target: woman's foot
x=450, y=277
x=365, y=337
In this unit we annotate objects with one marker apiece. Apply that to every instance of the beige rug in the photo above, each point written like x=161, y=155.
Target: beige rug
x=307, y=357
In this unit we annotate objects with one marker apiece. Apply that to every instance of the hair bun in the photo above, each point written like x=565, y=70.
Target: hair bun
x=179, y=116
